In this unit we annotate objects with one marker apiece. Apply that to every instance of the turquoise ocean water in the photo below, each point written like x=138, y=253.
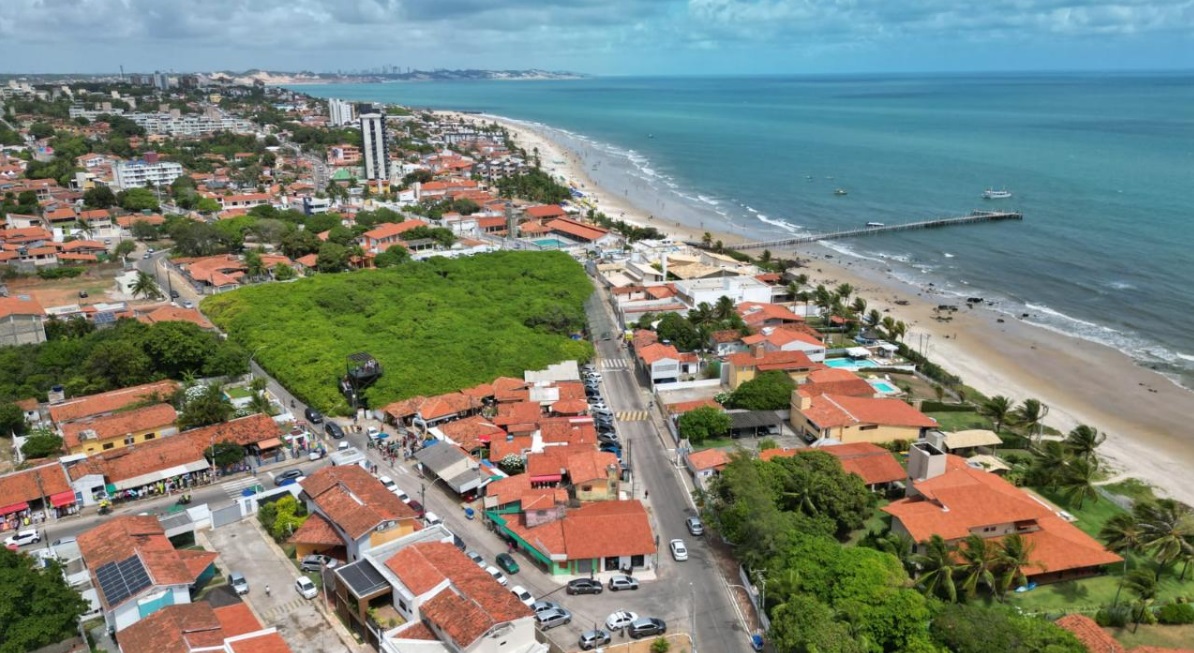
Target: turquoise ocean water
x=1101, y=165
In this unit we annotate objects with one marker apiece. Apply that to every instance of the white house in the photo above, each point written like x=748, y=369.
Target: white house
x=738, y=289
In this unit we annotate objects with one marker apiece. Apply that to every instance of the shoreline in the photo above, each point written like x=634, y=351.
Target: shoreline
x=1083, y=382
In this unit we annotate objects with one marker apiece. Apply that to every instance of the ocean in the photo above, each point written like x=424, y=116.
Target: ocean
x=1101, y=165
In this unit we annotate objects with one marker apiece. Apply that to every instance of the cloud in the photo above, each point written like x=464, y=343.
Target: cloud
x=591, y=35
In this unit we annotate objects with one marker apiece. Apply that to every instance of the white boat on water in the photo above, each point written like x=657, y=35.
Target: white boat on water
x=875, y=224
x=992, y=194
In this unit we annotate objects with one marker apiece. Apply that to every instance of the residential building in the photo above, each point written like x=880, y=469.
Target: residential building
x=660, y=361
x=462, y=473
x=377, y=151
x=704, y=465
x=696, y=291
x=758, y=315
x=357, y=507
x=743, y=366
x=106, y=403
x=870, y=462
x=44, y=489
x=796, y=337
x=340, y=112
x=139, y=174
x=857, y=419
x=193, y=627
x=836, y=381
x=949, y=498
x=22, y=321
x=601, y=538
x=120, y=429
x=136, y=571
x=382, y=237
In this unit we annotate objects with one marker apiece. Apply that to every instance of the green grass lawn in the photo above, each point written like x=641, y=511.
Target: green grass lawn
x=960, y=421
x=1134, y=489
x=1091, y=517
x=1164, y=636
x=237, y=392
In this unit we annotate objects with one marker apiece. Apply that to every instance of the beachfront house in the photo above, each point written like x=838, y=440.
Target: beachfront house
x=856, y=419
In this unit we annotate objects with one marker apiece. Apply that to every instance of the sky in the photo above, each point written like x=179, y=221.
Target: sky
x=600, y=37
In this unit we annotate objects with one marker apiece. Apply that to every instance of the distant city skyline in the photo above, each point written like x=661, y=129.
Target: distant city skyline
x=600, y=37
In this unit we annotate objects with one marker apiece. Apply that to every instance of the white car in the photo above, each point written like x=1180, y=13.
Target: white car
x=431, y=519
x=679, y=551
x=497, y=575
x=22, y=538
x=306, y=588
x=476, y=557
x=620, y=619
x=523, y=595
x=402, y=496
x=388, y=482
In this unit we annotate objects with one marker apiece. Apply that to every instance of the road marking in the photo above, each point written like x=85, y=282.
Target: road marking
x=615, y=363
x=278, y=611
x=234, y=488
x=632, y=416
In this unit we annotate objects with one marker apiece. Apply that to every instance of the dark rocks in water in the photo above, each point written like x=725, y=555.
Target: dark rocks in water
x=1023, y=315
x=1000, y=320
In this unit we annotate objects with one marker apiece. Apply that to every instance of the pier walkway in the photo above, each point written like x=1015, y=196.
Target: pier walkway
x=975, y=217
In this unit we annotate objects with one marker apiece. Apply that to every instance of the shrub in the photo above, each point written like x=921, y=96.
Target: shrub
x=661, y=645
x=1176, y=614
x=59, y=273
x=1114, y=617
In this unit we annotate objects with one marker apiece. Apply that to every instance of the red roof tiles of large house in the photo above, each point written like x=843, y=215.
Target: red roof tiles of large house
x=354, y=500
x=107, y=402
x=545, y=211
x=833, y=411
x=655, y=352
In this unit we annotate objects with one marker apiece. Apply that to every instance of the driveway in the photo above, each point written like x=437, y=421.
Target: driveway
x=243, y=548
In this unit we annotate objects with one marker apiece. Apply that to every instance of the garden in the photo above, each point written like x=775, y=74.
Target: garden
x=435, y=326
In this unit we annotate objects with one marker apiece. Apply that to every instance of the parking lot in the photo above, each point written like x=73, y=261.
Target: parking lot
x=244, y=548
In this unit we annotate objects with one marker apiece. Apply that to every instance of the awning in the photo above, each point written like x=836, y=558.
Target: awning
x=7, y=510
x=547, y=478
x=62, y=498
x=269, y=444
x=160, y=475
x=858, y=352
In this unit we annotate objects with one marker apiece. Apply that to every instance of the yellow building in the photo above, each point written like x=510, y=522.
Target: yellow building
x=746, y=365
x=856, y=419
x=113, y=431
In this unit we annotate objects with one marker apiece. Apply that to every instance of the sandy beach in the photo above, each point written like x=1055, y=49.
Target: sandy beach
x=1143, y=413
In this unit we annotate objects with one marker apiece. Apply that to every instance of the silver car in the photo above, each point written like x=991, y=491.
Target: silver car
x=619, y=583
x=238, y=582
x=591, y=639
x=549, y=619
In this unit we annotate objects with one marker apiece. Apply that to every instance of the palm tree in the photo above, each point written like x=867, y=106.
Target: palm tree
x=1167, y=529
x=844, y=291
x=1083, y=441
x=1013, y=556
x=1142, y=583
x=1077, y=481
x=800, y=280
x=724, y=309
x=900, y=330
x=978, y=564
x=146, y=287
x=1051, y=461
x=937, y=565
x=858, y=306
x=873, y=317
x=707, y=239
x=902, y=546
x=888, y=323
x=998, y=409
x=1122, y=535
x=1030, y=414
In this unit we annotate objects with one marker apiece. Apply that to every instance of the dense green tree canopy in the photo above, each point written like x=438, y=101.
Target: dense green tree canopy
x=207, y=406
x=37, y=607
x=703, y=423
x=12, y=419
x=679, y=331
x=42, y=444
x=138, y=199
x=971, y=628
x=100, y=197
x=767, y=391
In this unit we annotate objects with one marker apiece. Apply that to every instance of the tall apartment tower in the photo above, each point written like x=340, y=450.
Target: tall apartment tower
x=340, y=112
x=373, y=137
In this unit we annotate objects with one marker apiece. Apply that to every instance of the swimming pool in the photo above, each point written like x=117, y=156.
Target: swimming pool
x=849, y=363
x=883, y=386
x=554, y=243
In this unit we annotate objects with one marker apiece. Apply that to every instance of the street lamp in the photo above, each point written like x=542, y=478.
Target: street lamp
x=251, y=356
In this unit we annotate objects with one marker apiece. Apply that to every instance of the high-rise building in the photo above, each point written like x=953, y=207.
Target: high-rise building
x=373, y=143
x=340, y=112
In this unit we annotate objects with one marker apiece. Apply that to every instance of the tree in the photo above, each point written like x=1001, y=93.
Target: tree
x=40, y=130
x=289, y=516
x=767, y=391
x=679, y=331
x=1083, y=441
x=815, y=484
x=179, y=347
x=138, y=199
x=121, y=363
x=974, y=628
x=395, y=255
x=300, y=242
x=1122, y=534
x=1077, y=481
x=254, y=266
x=706, y=239
x=207, y=205
x=41, y=443
x=12, y=419
x=100, y=197
x=283, y=272
x=224, y=454
x=937, y=568
x=332, y=258
x=661, y=645
x=38, y=607
x=997, y=409
x=143, y=230
x=146, y=286
x=703, y=423
x=124, y=248
x=1030, y=414
x=209, y=406
x=1167, y=529
x=1013, y=555
x=978, y=564
x=1142, y=583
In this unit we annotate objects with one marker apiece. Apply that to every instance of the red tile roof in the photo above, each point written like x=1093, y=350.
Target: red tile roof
x=178, y=314
x=392, y=229
x=755, y=313
x=317, y=531
x=32, y=484
x=453, y=403
x=174, y=629
x=872, y=463
x=237, y=619
x=545, y=211
x=472, y=433
x=655, y=352
x=587, y=233
x=518, y=488
x=108, y=402
x=266, y=642
x=708, y=459
x=595, y=530
x=154, y=417
x=832, y=411
x=570, y=407
x=834, y=381
x=590, y=465
x=355, y=501
x=123, y=537
x=509, y=446
x=773, y=360
x=1094, y=638
x=684, y=406
x=19, y=306
x=521, y=412
x=570, y=430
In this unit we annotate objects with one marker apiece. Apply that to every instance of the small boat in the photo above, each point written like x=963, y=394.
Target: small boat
x=875, y=224
x=992, y=194
x=839, y=192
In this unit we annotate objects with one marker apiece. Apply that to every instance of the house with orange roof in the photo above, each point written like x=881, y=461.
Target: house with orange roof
x=857, y=419
x=387, y=234
x=171, y=313
x=1098, y=640
x=44, y=488
x=870, y=462
x=788, y=339
x=243, y=201
x=744, y=366
x=593, y=475
x=22, y=321
x=358, y=507
x=660, y=362
x=109, y=402
x=704, y=465
x=119, y=429
x=472, y=434
x=421, y=593
x=136, y=571
x=544, y=211
x=758, y=315
x=214, y=274
x=834, y=381
x=949, y=498
x=445, y=407
x=582, y=233
x=201, y=627
x=597, y=539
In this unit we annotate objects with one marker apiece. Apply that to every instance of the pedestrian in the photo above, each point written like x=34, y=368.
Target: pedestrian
x=267, y=590
x=646, y=493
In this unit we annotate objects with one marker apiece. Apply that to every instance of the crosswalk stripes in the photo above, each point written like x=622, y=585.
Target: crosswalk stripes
x=277, y=611
x=234, y=488
x=615, y=363
x=631, y=416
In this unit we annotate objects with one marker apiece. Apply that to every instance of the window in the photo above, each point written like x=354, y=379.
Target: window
x=586, y=488
x=868, y=427
x=150, y=436
x=109, y=445
x=132, y=439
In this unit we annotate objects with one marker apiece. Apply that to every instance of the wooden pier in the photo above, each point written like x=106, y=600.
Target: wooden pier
x=975, y=217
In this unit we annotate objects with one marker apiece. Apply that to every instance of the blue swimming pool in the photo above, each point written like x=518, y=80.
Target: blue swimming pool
x=554, y=243
x=883, y=386
x=849, y=363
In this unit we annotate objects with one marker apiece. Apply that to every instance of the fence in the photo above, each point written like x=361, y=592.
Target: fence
x=228, y=514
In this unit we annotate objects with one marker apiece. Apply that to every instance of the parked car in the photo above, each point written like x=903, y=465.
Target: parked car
x=619, y=583
x=313, y=416
x=63, y=540
x=431, y=519
x=612, y=448
x=388, y=483
x=679, y=551
x=21, y=538
x=591, y=639
x=507, y=562
x=620, y=619
x=584, y=586
x=315, y=562
x=609, y=438
x=315, y=454
x=549, y=619
x=695, y=526
x=306, y=588
x=540, y=606
x=497, y=575
x=417, y=507
x=333, y=429
x=402, y=496
x=523, y=595
x=647, y=627
x=288, y=475
x=174, y=294
x=188, y=304
x=477, y=558
x=237, y=582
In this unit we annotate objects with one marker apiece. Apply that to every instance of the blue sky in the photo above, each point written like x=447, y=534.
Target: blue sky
x=605, y=37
